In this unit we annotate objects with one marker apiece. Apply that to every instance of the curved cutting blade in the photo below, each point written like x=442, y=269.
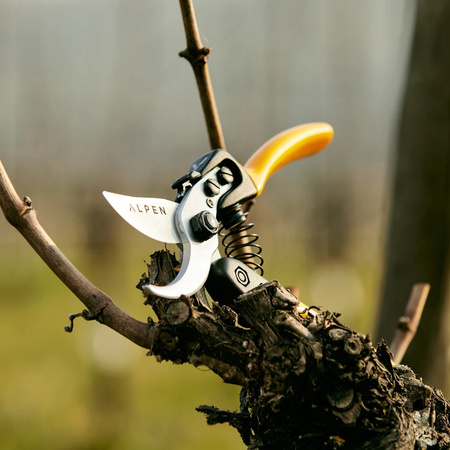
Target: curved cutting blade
x=197, y=254
x=154, y=217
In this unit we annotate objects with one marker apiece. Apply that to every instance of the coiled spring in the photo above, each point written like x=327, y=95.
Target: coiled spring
x=241, y=245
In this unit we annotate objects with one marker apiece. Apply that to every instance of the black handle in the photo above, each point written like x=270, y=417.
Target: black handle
x=229, y=278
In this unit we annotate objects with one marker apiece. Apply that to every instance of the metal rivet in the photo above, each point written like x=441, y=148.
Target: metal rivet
x=225, y=175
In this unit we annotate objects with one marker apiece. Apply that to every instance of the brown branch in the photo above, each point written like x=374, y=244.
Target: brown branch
x=197, y=55
x=408, y=324
x=22, y=216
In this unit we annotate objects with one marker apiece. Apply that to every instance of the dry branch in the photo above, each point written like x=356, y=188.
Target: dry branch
x=409, y=322
x=197, y=55
x=21, y=214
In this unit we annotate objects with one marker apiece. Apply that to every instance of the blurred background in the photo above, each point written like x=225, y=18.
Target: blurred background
x=94, y=97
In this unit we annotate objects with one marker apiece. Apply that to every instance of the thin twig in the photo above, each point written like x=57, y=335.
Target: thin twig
x=21, y=214
x=408, y=324
x=197, y=55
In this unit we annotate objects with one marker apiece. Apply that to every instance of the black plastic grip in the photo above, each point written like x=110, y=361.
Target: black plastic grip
x=229, y=278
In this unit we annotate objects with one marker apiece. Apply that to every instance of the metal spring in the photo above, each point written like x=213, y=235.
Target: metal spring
x=236, y=238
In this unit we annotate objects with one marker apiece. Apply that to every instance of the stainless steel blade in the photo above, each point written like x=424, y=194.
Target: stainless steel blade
x=197, y=255
x=154, y=217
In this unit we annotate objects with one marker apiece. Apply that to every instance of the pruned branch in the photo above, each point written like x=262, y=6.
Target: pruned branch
x=197, y=55
x=22, y=215
x=409, y=322
x=308, y=380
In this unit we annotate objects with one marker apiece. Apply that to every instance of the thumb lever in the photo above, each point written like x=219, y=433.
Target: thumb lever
x=285, y=147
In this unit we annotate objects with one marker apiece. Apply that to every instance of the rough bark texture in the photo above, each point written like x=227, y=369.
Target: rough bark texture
x=308, y=381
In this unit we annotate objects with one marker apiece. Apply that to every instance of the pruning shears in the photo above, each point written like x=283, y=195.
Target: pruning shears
x=211, y=198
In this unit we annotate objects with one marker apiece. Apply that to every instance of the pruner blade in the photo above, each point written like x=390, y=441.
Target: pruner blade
x=154, y=217
x=197, y=252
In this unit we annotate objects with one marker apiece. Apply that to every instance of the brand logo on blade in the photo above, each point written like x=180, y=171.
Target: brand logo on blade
x=242, y=276
x=147, y=209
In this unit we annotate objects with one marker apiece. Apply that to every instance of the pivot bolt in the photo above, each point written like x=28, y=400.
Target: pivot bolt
x=204, y=225
x=212, y=188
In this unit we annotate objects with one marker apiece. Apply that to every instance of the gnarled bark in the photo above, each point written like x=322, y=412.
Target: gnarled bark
x=308, y=381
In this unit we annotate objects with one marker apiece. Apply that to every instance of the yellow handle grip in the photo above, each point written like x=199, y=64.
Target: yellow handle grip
x=285, y=147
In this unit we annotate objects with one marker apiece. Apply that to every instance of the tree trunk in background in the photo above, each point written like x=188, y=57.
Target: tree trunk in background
x=418, y=236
